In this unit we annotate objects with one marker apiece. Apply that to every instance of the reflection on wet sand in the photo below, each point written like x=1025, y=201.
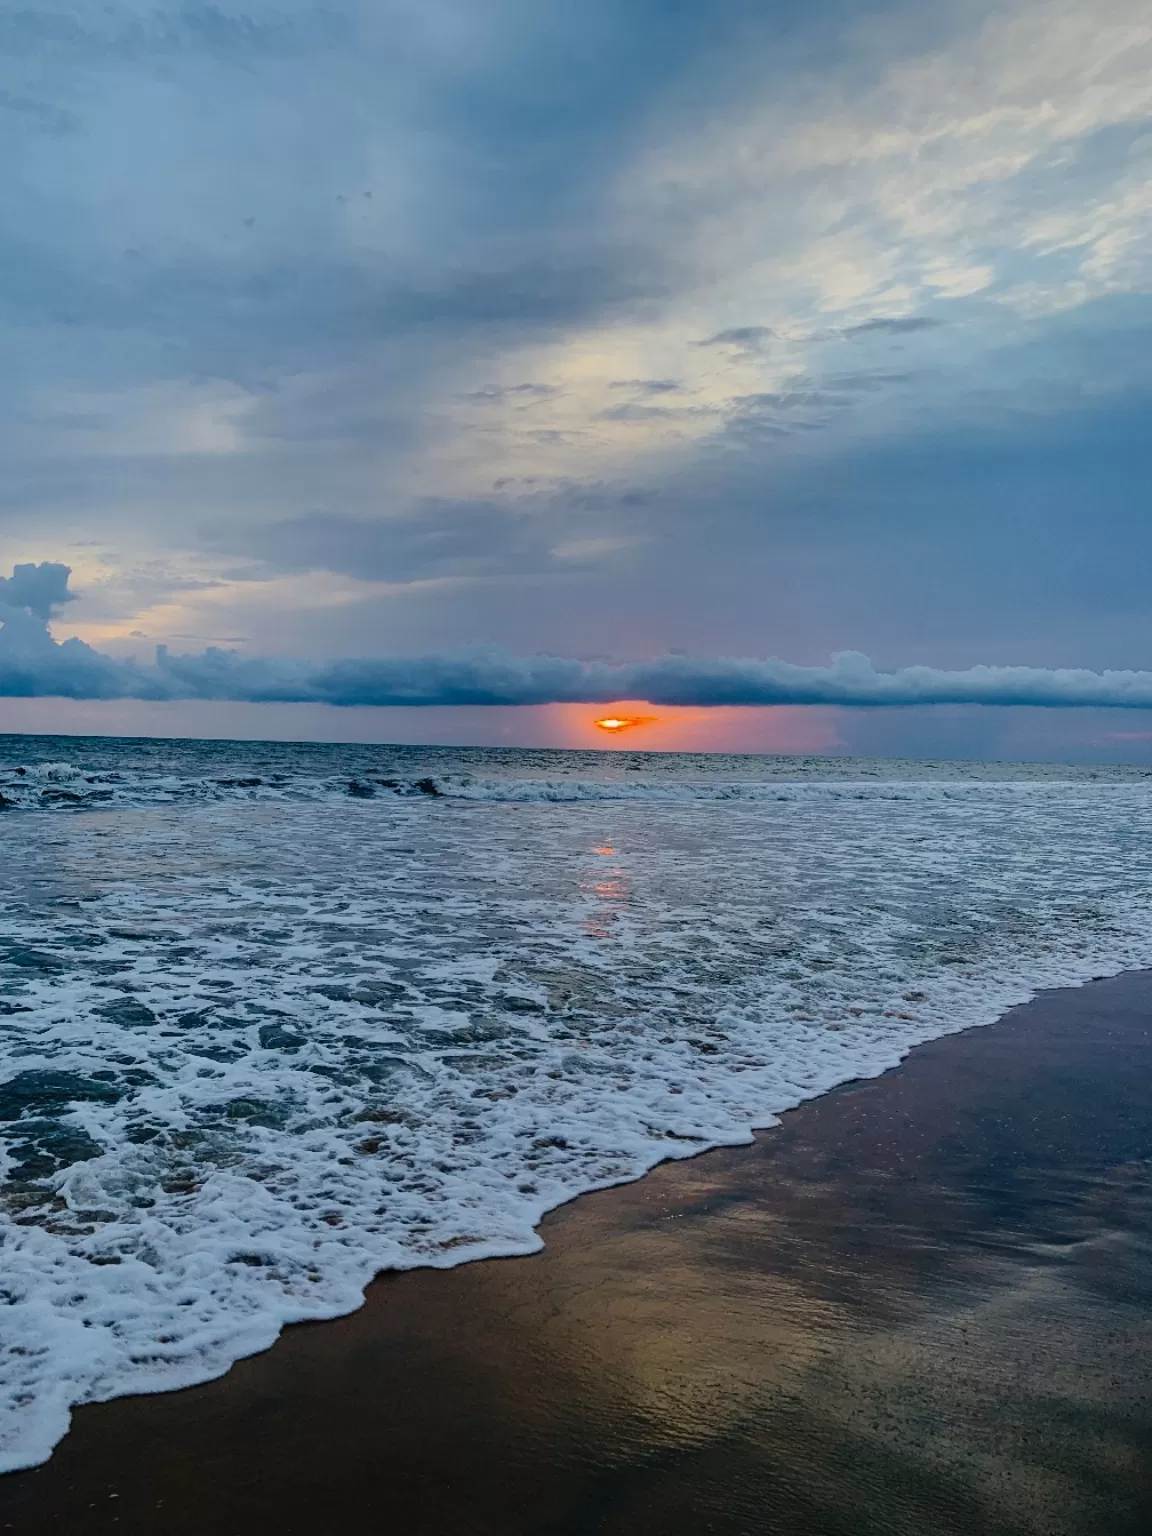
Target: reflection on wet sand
x=922, y=1304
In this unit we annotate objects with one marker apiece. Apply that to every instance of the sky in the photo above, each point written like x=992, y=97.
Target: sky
x=429, y=369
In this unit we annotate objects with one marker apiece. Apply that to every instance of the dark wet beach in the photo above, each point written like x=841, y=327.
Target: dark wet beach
x=921, y=1304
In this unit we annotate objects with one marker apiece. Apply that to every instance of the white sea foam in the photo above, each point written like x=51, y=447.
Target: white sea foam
x=255, y=1052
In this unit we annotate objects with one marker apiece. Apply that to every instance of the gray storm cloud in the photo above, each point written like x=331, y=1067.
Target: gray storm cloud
x=37, y=588
x=34, y=664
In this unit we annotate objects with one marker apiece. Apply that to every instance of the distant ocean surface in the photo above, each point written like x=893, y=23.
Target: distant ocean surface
x=276, y=1017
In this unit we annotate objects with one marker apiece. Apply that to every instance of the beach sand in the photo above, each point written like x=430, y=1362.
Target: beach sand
x=923, y=1304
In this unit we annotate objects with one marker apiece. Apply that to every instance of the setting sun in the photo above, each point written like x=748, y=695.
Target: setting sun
x=615, y=723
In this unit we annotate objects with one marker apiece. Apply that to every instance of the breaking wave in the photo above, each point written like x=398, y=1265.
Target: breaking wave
x=65, y=787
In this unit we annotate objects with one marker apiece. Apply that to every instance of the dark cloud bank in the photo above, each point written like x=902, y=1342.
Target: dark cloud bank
x=33, y=664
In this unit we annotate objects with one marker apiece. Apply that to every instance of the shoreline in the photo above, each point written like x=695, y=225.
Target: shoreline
x=999, y=1168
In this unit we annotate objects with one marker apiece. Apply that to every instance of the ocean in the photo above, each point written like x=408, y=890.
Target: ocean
x=274, y=1018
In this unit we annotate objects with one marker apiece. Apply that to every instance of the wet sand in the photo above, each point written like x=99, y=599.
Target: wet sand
x=921, y=1304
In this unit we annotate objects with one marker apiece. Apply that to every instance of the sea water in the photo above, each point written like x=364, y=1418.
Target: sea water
x=274, y=1018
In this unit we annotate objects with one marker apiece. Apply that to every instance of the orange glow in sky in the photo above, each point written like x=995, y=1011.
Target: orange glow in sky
x=616, y=723
x=681, y=728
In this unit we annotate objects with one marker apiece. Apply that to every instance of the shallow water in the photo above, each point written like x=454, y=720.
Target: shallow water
x=385, y=1007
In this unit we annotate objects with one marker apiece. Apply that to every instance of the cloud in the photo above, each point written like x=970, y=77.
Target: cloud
x=498, y=394
x=631, y=411
x=745, y=338
x=902, y=325
x=859, y=383
x=436, y=539
x=647, y=386
x=33, y=664
x=37, y=588
x=38, y=116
